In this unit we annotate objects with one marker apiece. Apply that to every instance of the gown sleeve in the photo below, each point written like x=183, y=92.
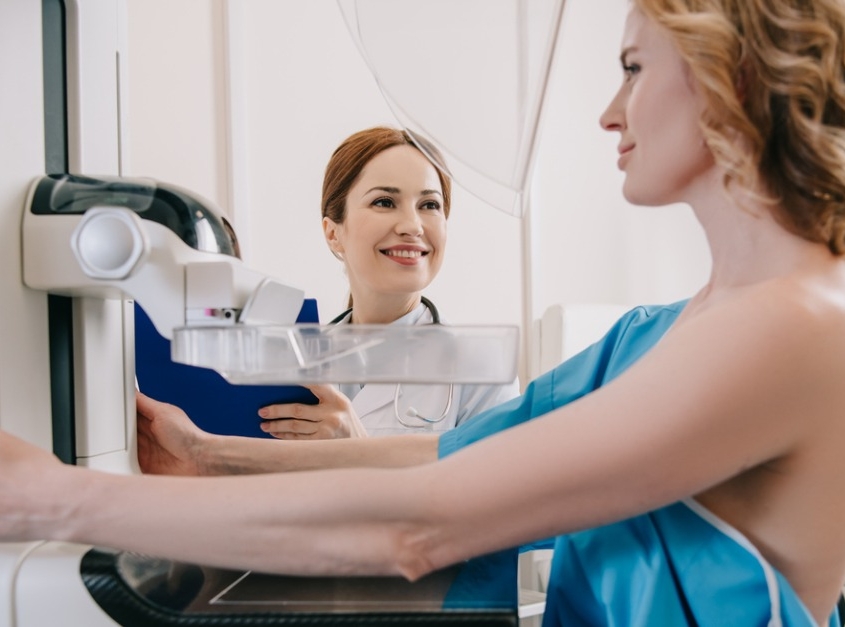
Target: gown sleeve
x=627, y=340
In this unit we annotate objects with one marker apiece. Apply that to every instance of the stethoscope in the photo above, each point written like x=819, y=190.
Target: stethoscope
x=411, y=412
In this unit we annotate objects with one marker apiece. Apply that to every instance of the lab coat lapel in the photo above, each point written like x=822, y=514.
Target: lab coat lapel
x=376, y=396
x=373, y=397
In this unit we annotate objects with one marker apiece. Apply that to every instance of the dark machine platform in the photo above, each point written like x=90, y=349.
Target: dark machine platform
x=140, y=591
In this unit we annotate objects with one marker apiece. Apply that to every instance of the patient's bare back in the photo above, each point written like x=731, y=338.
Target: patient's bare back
x=791, y=506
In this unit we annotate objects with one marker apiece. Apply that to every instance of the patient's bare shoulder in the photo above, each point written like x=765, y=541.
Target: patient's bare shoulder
x=799, y=313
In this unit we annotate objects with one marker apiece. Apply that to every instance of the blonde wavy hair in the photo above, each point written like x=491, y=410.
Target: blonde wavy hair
x=773, y=76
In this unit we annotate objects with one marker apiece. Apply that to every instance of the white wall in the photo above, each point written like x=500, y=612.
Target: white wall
x=244, y=101
x=590, y=245
x=176, y=125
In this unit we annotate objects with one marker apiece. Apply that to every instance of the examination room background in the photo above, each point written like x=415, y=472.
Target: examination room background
x=243, y=101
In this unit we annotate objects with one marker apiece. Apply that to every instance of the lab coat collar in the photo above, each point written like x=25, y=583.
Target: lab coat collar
x=418, y=315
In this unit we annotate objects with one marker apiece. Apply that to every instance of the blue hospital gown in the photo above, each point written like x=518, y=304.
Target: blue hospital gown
x=679, y=565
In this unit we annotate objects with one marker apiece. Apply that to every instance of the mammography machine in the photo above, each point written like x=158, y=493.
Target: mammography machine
x=116, y=238
x=81, y=243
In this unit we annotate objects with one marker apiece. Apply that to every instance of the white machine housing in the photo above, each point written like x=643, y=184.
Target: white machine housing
x=109, y=252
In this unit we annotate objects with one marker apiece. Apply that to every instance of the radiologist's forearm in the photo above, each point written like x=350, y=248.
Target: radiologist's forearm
x=239, y=455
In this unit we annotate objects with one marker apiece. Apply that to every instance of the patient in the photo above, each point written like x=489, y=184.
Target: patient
x=384, y=212
x=701, y=486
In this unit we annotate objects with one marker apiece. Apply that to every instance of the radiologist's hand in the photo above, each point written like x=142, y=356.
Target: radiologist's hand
x=168, y=442
x=333, y=417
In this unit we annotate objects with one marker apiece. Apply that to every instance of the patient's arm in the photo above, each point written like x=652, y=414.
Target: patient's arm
x=169, y=443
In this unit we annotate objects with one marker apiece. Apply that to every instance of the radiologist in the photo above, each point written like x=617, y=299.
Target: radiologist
x=385, y=208
x=700, y=486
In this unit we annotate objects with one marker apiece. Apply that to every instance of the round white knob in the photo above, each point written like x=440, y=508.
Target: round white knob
x=109, y=242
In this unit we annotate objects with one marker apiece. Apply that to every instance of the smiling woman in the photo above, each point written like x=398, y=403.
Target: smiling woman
x=659, y=113
x=384, y=211
x=390, y=232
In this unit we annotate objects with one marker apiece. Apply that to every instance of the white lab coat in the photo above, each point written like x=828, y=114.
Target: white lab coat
x=373, y=402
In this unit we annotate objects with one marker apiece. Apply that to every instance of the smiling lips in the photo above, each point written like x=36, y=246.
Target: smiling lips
x=405, y=256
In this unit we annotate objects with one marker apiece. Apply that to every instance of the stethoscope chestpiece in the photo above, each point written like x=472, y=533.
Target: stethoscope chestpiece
x=411, y=413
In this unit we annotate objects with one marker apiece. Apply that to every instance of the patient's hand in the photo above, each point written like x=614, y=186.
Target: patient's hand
x=333, y=417
x=168, y=442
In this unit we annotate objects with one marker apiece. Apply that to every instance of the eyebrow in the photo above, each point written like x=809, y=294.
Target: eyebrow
x=396, y=190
